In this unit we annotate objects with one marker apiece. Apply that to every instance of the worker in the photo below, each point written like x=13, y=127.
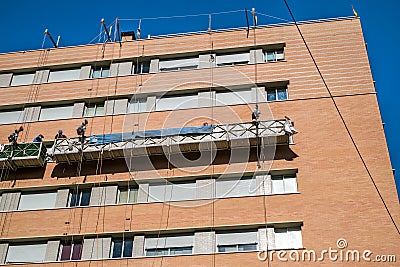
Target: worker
x=60, y=135
x=13, y=137
x=255, y=115
x=38, y=139
x=81, y=130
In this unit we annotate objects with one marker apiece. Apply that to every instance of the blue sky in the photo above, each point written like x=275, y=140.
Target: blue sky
x=23, y=23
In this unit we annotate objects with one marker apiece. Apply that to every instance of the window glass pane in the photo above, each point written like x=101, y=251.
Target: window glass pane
x=77, y=251
x=280, y=55
x=281, y=238
x=117, y=249
x=136, y=106
x=89, y=111
x=282, y=94
x=271, y=95
x=99, y=110
x=123, y=196
x=66, y=252
x=278, y=185
x=183, y=191
x=180, y=251
x=229, y=248
x=10, y=116
x=74, y=199
x=105, y=72
x=45, y=200
x=56, y=113
x=156, y=252
x=64, y=75
x=26, y=253
x=96, y=73
x=270, y=56
x=294, y=237
x=85, y=198
x=247, y=247
x=128, y=245
x=290, y=184
x=133, y=195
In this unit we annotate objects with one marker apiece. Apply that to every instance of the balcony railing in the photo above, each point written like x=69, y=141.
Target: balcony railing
x=226, y=136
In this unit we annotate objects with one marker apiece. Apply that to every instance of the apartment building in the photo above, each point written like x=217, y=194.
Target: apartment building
x=173, y=170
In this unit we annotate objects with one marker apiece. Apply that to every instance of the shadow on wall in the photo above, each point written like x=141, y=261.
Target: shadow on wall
x=23, y=174
x=160, y=162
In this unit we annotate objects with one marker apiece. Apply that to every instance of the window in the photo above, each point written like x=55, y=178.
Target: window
x=79, y=198
x=96, y=109
x=177, y=102
x=64, y=75
x=170, y=245
x=70, y=250
x=237, y=241
x=137, y=105
x=288, y=238
x=56, y=113
x=99, y=72
x=172, y=192
x=274, y=55
x=275, y=94
x=142, y=67
x=233, y=59
x=236, y=187
x=284, y=184
x=10, y=116
x=233, y=97
x=24, y=253
x=122, y=248
x=179, y=64
x=22, y=79
x=35, y=201
x=127, y=195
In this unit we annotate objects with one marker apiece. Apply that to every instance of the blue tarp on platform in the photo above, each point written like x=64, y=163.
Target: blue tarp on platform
x=119, y=137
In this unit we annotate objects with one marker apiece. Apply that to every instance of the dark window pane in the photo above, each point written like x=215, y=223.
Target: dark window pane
x=271, y=56
x=85, y=198
x=77, y=251
x=66, y=252
x=117, y=250
x=181, y=251
x=247, y=247
x=74, y=199
x=227, y=248
x=271, y=95
x=150, y=252
x=146, y=67
x=128, y=244
x=282, y=94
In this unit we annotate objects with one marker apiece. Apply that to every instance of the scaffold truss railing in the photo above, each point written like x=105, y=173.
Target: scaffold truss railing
x=22, y=155
x=226, y=136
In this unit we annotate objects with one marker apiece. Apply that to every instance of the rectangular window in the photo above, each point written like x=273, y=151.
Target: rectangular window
x=70, y=251
x=233, y=59
x=99, y=72
x=237, y=241
x=177, y=102
x=288, y=238
x=64, y=75
x=282, y=184
x=137, y=105
x=179, y=64
x=79, y=198
x=127, y=195
x=274, y=94
x=56, y=113
x=236, y=187
x=35, y=201
x=172, y=192
x=274, y=55
x=169, y=245
x=142, y=67
x=22, y=79
x=122, y=248
x=10, y=116
x=96, y=109
x=25, y=253
x=233, y=97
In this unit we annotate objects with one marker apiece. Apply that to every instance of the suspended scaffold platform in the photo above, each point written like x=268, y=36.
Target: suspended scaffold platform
x=173, y=140
x=22, y=155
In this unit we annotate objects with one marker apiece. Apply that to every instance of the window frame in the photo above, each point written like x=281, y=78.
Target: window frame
x=79, y=192
x=73, y=244
x=236, y=246
x=276, y=91
x=102, y=69
x=123, y=242
x=140, y=66
x=128, y=190
x=95, y=107
x=275, y=54
x=283, y=176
